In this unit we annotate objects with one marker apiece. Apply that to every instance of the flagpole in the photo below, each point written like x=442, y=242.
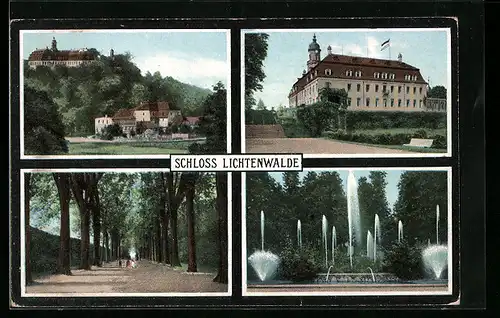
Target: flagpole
x=389, y=51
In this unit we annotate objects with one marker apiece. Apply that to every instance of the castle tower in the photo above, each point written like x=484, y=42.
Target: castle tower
x=314, y=54
x=54, y=44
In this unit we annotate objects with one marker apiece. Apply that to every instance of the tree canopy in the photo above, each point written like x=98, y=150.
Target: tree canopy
x=255, y=54
x=437, y=92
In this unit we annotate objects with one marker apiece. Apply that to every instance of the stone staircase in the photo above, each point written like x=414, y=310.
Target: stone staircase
x=264, y=131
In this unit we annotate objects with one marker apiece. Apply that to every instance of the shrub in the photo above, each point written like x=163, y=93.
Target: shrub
x=174, y=129
x=299, y=265
x=421, y=133
x=184, y=129
x=439, y=142
x=113, y=130
x=404, y=261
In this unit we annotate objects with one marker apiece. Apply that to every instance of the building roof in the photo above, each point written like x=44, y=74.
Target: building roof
x=192, y=120
x=339, y=64
x=124, y=113
x=154, y=106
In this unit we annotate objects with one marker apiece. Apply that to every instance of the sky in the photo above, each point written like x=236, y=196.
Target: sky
x=392, y=179
x=197, y=58
x=287, y=54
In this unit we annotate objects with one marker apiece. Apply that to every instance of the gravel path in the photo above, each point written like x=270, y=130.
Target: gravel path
x=146, y=278
x=312, y=146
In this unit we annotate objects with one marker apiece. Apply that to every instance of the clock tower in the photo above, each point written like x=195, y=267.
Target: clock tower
x=314, y=54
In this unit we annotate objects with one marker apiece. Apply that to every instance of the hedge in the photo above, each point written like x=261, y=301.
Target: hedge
x=259, y=117
x=391, y=119
x=387, y=139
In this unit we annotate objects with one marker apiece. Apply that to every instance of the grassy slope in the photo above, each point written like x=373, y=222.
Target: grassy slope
x=129, y=148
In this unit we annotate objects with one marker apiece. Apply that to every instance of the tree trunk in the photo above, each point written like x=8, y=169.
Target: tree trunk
x=190, y=193
x=221, y=207
x=85, y=239
x=96, y=222
x=174, y=257
x=27, y=229
x=63, y=183
x=165, y=221
x=106, y=246
x=158, y=240
x=174, y=200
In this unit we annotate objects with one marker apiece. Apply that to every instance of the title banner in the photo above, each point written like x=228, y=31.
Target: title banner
x=243, y=162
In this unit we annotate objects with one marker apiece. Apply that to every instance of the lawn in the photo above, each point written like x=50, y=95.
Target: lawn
x=406, y=148
x=128, y=148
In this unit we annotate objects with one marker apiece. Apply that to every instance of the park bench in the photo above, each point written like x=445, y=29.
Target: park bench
x=418, y=142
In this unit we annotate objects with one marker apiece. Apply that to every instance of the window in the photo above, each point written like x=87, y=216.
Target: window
x=376, y=75
x=414, y=103
x=358, y=74
x=384, y=88
x=420, y=103
x=407, y=103
x=399, y=89
x=376, y=102
x=367, y=87
x=376, y=88
x=348, y=73
x=392, y=102
x=98, y=121
x=392, y=88
x=414, y=90
x=348, y=87
x=399, y=102
x=392, y=76
x=420, y=90
x=358, y=101
x=384, y=75
x=328, y=71
x=368, y=102
x=385, y=102
x=358, y=87
x=349, y=101
x=407, y=89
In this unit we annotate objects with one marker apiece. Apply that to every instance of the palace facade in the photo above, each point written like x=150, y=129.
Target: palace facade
x=371, y=84
x=53, y=56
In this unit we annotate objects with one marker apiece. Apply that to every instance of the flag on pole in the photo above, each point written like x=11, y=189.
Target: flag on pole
x=385, y=45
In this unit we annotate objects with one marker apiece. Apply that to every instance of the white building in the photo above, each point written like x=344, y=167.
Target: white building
x=371, y=84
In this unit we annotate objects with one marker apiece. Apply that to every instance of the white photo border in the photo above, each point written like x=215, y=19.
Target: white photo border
x=150, y=156
x=451, y=270
x=82, y=295
x=449, y=131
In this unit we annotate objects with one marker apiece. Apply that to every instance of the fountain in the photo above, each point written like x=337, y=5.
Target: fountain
x=377, y=237
x=373, y=275
x=400, y=231
x=262, y=228
x=324, y=225
x=263, y=262
x=299, y=234
x=334, y=243
x=353, y=216
x=435, y=258
x=328, y=272
x=437, y=224
x=369, y=245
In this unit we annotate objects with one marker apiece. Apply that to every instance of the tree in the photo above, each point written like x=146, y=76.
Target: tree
x=260, y=105
x=420, y=192
x=319, y=116
x=190, y=195
x=43, y=127
x=437, y=92
x=255, y=54
x=221, y=208
x=176, y=190
x=84, y=186
x=63, y=183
